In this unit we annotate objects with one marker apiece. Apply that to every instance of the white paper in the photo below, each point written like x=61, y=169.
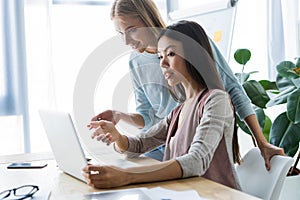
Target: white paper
x=156, y=193
x=159, y=193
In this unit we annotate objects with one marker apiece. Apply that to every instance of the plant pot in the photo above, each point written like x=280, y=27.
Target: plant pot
x=291, y=188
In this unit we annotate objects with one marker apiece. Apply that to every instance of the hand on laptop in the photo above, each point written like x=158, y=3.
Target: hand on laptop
x=105, y=176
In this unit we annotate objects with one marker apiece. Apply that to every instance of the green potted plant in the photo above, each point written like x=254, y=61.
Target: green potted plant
x=284, y=131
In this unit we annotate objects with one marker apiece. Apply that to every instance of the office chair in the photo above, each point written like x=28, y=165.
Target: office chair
x=257, y=181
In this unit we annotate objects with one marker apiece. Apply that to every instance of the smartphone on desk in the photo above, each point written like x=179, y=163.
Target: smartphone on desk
x=27, y=165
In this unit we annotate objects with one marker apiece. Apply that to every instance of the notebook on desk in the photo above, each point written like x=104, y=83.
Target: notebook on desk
x=64, y=142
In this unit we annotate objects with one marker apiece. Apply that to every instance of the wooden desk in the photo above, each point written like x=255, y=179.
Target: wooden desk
x=52, y=179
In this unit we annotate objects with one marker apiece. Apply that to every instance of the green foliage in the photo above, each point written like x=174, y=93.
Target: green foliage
x=293, y=106
x=284, y=132
x=269, y=86
x=242, y=56
x=256, y=93
x=286, y=69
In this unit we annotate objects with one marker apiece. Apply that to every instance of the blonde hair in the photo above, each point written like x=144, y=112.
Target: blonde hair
x=146, y=10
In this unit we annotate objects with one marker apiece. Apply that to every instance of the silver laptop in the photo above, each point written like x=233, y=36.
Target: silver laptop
x=64, y=142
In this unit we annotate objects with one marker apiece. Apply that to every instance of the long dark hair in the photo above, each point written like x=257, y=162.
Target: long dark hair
x=197, y=54
x=200, y=64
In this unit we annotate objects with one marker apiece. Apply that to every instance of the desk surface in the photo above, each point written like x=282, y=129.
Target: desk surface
x=52, y=179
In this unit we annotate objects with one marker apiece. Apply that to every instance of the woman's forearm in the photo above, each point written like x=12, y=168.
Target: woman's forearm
x=122, y=143
x=100, y=176
x=158, y=172
x=133, y=119
x=253, y=124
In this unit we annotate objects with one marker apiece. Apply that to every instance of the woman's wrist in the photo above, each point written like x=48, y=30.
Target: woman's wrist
x=119, y=138
x=122, y=143
x=117, y=115
x=263, y=144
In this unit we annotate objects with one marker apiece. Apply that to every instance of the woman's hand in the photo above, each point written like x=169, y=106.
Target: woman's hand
x=268, y=151
x=105, y=176
x=108, y=115
x=115, y=116
x=105, y=131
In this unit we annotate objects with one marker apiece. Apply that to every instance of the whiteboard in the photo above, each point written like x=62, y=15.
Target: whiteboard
x=218, y=25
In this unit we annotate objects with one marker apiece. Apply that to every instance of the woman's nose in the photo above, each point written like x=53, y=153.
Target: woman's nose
x=164, y=62
x=127, y=39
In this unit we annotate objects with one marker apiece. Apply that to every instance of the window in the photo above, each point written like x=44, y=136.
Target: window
x=2, y=72
x=13, y=96
x=61, y=36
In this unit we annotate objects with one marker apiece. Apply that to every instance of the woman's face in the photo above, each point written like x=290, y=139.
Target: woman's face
x=134, y=33
x=170, y=53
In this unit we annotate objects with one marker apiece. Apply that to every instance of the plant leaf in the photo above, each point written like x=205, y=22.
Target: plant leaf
x=285, y=134
x=293, y=107
x=253, y=72
x=295, y=71
x=296, y=82
x=283, y=83
x=280, y=124
x=298, y=62
x=256, y=93
x=267, y=127
x=281, y=98
x=284, y=67
x=269, y=85
x=242, y=56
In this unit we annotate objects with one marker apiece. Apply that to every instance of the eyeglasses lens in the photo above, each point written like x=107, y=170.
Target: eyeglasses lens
x=4, y=194
x=25, y=190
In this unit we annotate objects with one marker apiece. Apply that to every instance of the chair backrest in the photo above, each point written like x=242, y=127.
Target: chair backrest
x=256, y=180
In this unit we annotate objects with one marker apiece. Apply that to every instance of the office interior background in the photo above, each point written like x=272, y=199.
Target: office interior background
x=44, y=45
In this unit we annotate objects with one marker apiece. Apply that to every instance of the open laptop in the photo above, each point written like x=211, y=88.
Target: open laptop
x=64, y=142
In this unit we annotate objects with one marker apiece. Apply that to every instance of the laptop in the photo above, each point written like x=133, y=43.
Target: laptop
x=64, y=142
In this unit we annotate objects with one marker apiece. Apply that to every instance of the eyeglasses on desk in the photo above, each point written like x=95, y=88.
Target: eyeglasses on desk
x=19, y=193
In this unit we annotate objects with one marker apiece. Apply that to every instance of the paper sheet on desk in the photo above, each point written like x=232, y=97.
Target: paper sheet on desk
x=159, y=193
